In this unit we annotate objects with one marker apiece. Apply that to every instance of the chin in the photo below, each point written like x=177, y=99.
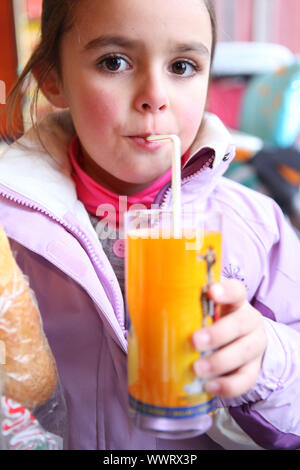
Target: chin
x=129, y=186
x=147, y=174
x=144, y=180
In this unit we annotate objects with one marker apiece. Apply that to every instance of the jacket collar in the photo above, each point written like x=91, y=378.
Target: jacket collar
x=213, y=135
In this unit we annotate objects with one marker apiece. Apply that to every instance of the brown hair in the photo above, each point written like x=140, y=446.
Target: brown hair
x=57, y=19
x=213, y=19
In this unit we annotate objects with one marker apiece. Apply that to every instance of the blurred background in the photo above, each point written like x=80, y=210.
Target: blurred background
x=255, y=87
x=260, y=20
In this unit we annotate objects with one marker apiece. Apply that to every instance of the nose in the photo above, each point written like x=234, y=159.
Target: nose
x=151, y=96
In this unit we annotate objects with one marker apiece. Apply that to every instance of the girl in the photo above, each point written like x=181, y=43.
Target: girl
x=126, y=69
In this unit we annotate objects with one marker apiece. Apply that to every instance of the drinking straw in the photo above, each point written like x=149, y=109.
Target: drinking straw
x=176, y=178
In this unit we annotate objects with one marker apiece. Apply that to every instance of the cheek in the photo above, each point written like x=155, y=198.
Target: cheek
x=191, y=117
x=97, y=109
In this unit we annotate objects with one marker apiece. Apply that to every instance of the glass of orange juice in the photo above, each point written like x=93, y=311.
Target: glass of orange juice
x=167, y=278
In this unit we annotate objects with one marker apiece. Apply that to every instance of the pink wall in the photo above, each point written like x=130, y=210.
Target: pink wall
x=235, y=18
x=286, y=29
x=243, y=26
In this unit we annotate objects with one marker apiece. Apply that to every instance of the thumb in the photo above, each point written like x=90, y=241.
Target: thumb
x=230, y=294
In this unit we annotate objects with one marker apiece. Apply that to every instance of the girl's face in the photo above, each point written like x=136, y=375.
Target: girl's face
x=133, y=68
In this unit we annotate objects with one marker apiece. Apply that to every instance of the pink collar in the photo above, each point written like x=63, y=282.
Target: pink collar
x=94, y=196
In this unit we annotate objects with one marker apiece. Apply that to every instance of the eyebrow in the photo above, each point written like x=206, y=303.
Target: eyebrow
x=192, y=47
x=121, y=41
x=111, y=41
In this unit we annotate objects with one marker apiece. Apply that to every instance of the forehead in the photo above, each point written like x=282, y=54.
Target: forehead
x=161, y=21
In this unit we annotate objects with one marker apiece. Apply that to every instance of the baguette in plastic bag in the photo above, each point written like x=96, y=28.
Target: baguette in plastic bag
x=33, y=412
x=29, y=375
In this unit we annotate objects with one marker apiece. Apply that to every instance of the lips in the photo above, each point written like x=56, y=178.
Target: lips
x=141, y=136
x=141, y=142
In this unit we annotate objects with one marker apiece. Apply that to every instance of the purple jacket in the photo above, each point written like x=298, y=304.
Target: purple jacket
x=82, y=306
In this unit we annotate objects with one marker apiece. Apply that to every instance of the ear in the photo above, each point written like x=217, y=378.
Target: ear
x=52, y=88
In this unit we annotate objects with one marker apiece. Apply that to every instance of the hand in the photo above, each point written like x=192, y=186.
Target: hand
x=239, y=338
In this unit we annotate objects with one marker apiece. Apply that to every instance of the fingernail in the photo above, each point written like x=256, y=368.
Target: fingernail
x=212, y=387
x=218, y=291
x=202, y=367
x=202, y=338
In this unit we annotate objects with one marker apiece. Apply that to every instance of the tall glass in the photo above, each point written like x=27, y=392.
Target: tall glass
x=166, y=283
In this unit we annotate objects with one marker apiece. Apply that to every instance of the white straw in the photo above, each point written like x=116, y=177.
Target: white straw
x=176, y=178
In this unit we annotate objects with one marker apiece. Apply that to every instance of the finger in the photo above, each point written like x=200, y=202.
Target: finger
x=236, y=383
x=232, y=356
x=227, y=329
x=230, y=293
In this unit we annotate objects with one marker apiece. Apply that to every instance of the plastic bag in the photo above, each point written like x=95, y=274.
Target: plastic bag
x=32, y=403
x=20, y=430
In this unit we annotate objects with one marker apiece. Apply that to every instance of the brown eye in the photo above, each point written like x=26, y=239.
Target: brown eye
x=179, y=68
x=113, y=64
x=184, y=68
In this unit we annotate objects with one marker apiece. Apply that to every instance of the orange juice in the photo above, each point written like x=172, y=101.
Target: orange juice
x=164, y=281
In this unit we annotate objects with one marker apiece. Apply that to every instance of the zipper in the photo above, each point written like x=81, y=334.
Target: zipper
x=207, y=164
x=82, y=238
